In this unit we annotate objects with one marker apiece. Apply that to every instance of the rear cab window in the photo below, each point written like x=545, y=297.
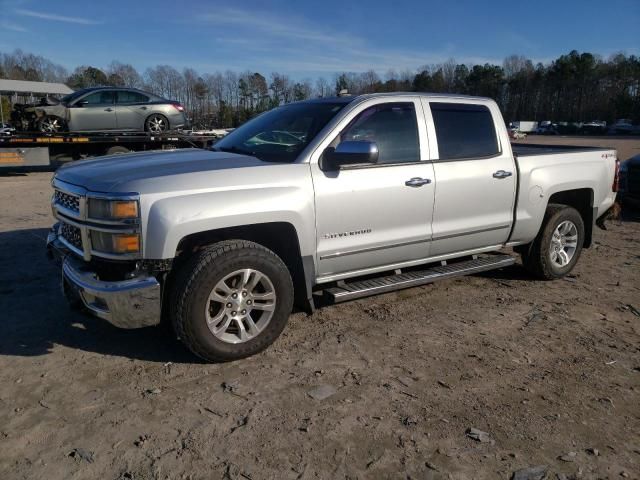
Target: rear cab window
x=464, y=131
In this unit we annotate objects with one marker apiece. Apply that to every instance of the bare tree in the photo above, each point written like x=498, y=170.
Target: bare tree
x=323, y=88
x=575, y=86
x=126, y=73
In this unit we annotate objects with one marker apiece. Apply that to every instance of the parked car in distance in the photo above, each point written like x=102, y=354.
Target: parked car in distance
x=342, y=197
x=516, y=134
x=622, y=126
x=108, y=109
x=594, y=127
x=546, y=128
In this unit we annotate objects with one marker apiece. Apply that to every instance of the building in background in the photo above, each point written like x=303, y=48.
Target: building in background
x=26, y=92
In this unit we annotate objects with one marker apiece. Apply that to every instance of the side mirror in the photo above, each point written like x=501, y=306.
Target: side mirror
x=350, y=153
x=80, y=103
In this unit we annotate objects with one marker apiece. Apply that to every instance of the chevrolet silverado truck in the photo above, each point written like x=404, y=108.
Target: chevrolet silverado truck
x=329, y=199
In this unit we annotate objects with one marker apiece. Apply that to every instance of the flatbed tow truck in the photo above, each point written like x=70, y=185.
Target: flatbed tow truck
x=34, y=149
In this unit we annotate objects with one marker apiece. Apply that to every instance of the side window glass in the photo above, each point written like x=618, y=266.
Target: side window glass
x=392, y=126
x=131, y=97
x=464, y=130
x=99, y=98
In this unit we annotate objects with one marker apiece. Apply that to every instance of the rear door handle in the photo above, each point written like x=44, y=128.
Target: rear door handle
x=143, y=108
x=501, y=174
x=108, y=109
x=417, y=182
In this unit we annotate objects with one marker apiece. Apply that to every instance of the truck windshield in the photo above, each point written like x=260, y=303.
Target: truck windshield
x=280, y=134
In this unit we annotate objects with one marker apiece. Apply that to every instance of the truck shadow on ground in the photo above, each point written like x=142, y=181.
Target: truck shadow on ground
x=35, y=317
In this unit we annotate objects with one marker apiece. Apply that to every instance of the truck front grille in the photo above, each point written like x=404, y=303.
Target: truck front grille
x=68, y=201
x=71, y=234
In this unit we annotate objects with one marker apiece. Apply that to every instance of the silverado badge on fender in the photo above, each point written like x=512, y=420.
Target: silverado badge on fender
x=347, y=234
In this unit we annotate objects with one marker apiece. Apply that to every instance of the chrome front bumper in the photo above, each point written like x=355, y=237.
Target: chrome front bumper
x=131, y=303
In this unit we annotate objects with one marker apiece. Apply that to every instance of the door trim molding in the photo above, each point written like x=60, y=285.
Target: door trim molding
x=413, y=242
x=471, y=232
x=372, y=249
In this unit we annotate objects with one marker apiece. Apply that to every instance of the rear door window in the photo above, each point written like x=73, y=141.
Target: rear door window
x=394, y=129
x=464, y=130
x=124, y=97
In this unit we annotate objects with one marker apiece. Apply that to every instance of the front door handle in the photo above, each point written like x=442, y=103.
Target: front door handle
x=417, y=182
x=501, y=174
x=143, y=108
x=108, y=109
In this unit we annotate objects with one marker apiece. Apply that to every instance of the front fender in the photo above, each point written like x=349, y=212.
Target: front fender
x=169, y=220
x=55, y=110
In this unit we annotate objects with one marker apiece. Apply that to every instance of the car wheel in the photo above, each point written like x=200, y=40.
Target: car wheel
x=51, y=124
x=156, y=123
x=117, y=149
x=231, y=300
x=556, y=249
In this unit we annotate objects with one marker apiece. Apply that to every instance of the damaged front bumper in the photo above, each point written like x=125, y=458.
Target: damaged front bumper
x=130, y=303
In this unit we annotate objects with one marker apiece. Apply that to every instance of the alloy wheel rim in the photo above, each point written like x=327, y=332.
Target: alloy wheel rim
x=240, y=306
x=564, y=243
x=50, y=125
x=157, y=124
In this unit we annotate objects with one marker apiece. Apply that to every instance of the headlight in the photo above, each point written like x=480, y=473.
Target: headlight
x=117, y=243
x=100, y=209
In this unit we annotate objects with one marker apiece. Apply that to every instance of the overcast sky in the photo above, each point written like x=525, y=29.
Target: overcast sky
x=310, y=38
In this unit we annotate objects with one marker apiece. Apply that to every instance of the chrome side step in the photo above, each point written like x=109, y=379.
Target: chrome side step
x=365, y=288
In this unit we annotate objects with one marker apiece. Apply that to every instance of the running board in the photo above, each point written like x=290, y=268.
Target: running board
x=374, y=286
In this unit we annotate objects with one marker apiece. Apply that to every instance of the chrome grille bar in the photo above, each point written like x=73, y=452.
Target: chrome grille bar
x=70, y=206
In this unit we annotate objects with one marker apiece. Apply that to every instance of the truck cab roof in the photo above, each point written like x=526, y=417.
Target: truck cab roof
x=350, y=98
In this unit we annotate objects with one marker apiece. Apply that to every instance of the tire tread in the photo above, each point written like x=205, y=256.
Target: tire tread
x=185, y=282
x=535, y=258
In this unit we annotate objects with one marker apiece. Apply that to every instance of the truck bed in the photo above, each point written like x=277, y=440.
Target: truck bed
x=526, y=150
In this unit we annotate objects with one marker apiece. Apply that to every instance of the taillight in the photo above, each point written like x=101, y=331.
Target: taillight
x=616, y=177
x=178, y=107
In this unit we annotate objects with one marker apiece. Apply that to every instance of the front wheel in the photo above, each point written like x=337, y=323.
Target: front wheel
x=556, y=249
x=51, y=124
x=231, y=300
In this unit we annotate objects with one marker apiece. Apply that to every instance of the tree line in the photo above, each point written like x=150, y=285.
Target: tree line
x=574, y=87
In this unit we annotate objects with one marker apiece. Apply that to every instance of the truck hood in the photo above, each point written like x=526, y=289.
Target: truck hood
x=140, y=172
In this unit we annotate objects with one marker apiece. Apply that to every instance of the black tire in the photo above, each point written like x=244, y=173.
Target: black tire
x=197, y=277
x=148, y=123
x=51, y=124
x=117, y=149
x=537, y=257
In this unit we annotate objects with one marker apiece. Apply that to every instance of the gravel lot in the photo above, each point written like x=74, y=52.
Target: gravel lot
x=549, y=370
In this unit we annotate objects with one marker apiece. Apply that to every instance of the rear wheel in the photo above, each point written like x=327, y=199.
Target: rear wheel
x=231, y=300
x=156, y=123
x=556, y=249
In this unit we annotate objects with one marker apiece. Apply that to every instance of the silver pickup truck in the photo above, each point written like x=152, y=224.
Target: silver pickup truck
x=332, y=199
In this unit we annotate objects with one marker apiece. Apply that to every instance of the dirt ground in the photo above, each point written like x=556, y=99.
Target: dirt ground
x=549, y=370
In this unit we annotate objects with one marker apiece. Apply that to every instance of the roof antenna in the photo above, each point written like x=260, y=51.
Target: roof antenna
x=344, y=93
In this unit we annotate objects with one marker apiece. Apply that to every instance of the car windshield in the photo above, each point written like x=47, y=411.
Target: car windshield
x=280, y=134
